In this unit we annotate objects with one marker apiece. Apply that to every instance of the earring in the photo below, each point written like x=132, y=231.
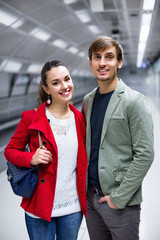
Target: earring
x=49, y=99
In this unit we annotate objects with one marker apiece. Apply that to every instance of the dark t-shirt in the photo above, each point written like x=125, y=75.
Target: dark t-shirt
x=97, y=116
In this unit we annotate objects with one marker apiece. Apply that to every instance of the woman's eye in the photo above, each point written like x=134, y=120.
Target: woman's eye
x=67, y=79
x=55, y=83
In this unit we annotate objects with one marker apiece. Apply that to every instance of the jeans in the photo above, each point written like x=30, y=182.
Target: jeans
x=105, y=223
x=64, y=227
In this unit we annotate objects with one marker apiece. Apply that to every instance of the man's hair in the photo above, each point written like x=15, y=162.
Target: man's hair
x=104, y=42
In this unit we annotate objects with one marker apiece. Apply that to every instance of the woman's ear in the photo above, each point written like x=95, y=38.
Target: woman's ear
x=45, y=89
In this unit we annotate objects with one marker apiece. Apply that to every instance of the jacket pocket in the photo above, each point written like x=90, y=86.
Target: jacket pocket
x=119, y=174
x=118, y=132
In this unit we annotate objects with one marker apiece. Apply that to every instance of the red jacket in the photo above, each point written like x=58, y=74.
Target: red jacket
x=41, y=203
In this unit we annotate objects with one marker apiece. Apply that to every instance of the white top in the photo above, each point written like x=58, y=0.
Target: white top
x=66, y=199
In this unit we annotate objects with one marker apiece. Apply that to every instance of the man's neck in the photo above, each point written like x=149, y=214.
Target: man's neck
x=107, y=86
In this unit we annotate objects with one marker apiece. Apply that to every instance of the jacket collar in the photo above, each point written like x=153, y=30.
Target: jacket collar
x=119, y=88
x=40, y=122
x=113, y=103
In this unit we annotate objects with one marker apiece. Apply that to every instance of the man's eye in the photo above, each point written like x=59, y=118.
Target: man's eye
x=97, y=57
x=110, y=57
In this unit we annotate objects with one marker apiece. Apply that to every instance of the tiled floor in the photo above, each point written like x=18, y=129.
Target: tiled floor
x=12, y=224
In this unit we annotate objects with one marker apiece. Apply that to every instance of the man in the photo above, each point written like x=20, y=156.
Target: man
x=119, y=142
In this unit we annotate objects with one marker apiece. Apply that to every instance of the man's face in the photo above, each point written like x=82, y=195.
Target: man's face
x=104, y=64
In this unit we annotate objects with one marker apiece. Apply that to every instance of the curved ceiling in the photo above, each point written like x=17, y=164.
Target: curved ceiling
x=35, y=31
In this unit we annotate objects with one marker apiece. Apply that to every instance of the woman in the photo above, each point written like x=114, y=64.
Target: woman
x=59, y=200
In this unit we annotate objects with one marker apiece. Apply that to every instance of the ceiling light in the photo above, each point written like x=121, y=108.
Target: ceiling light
x=11, y=66
x=83, y=15
x=40, y=34
x=144, y=30
x=60, y=43
x=97, y=6
x=73, y=50
x=94, y=29
x=17, y=24
x=74, y=73
x=145, y=26
x=7, y=18
x=148, y=4
x=70, y=1
x=141, y=50
x=3, y=64
x=34, y=68
x=82, y=54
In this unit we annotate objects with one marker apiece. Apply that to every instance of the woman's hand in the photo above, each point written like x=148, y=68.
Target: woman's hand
x=42, y=155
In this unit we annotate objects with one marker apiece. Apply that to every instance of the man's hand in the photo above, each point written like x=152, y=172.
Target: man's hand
x=108, y=200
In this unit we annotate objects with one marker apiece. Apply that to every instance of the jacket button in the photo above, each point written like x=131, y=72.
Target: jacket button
x=102, y=167
x=42, y=180
x=44, y=143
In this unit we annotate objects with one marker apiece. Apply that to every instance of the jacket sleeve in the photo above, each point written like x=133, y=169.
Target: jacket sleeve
x=141, y=131
x=15, y=150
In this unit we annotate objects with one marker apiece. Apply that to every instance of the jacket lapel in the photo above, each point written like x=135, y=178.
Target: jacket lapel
x=89, y=111
x=113, y=104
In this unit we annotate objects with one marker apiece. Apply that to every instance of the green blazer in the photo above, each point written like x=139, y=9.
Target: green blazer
x=126, y=147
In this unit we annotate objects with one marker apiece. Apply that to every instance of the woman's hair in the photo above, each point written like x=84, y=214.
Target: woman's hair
x=42, y=95
x=104, y=42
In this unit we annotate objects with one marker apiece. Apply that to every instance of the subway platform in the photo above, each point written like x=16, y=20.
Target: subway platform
x=12, y=225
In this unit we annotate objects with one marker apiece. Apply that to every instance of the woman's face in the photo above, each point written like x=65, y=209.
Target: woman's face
x=60, y=85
